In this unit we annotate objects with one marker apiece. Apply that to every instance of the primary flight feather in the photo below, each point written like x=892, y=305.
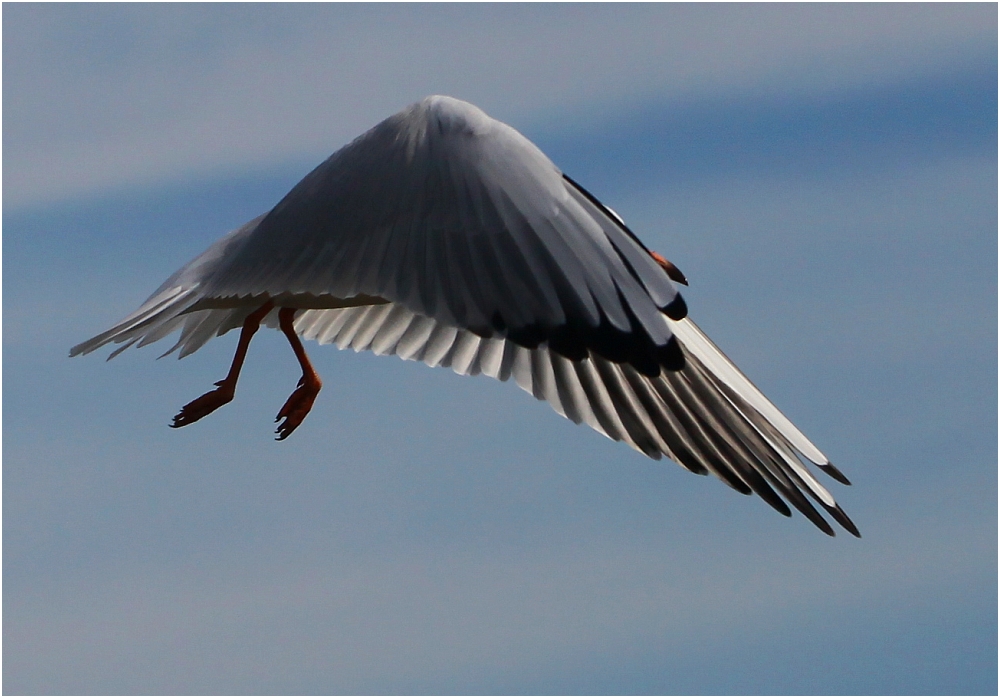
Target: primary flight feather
x=445, y=236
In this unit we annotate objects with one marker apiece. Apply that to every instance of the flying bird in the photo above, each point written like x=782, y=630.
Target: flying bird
x=442, y=235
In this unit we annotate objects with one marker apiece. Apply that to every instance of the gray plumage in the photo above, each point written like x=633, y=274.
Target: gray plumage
x=444, y=236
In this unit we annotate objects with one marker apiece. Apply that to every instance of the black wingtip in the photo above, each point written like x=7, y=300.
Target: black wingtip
x=670, y=356
x=817, y=520
x=676, y=309
x=843, y=519
x=777, y=504
x=831, y=470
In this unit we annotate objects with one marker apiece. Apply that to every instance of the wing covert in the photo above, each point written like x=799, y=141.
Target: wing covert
x=460, y=218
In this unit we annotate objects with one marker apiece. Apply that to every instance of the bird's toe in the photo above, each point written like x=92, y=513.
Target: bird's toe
x=295, y=409
x=201, y=407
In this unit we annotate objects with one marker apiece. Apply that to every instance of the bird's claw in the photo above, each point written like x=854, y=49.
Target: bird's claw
x=296, y=407
x=202, y=406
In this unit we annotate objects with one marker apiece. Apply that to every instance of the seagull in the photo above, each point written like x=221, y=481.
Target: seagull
x=444, y=236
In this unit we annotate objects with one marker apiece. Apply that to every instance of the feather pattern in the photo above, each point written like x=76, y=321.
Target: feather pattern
x=459, y=218
x=446, y=237
x=699, y=416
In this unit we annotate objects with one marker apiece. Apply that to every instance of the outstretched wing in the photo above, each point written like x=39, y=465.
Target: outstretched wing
x=708, y=416
x=173, y=306
x=462, y=245
x=459, y=218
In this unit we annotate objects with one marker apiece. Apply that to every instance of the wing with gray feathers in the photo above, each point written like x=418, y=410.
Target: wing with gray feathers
x=446, y=237
x=174, y=305
x=459, y=218
x=708, y=416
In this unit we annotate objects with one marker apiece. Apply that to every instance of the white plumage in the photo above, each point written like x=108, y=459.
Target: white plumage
x=444, y=236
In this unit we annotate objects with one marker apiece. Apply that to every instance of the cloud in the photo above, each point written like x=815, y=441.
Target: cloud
x=432, y=533
x=104, y=97
x=424, y=532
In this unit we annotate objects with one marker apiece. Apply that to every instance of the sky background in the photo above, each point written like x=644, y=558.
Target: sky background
x=826, y=177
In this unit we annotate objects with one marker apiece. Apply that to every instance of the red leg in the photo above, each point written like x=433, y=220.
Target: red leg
x=213, y=400
x=301, y=401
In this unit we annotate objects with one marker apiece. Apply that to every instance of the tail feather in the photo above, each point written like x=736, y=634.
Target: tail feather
x=154, y=319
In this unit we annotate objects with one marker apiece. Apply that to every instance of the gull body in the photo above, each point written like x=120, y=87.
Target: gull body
x=444, y=236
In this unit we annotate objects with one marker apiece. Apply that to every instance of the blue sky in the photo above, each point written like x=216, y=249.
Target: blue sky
x=826, y=176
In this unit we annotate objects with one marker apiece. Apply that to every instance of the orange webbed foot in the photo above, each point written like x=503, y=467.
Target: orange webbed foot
x=297, y=406
x=204, y=405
